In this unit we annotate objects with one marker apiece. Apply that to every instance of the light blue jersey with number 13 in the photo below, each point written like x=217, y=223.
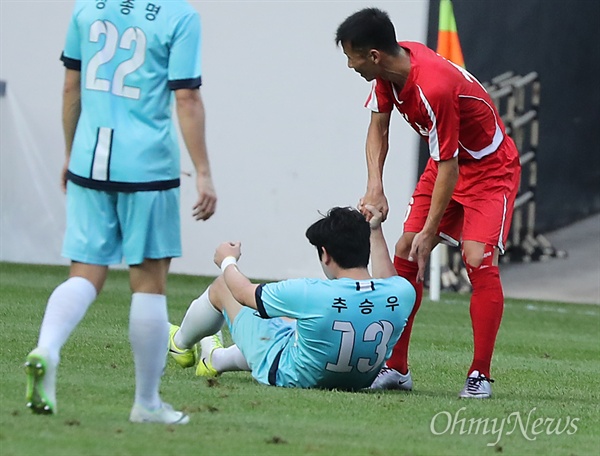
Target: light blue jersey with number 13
x=345, y=329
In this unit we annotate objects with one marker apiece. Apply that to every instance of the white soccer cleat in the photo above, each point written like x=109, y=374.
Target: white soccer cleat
x=165, y=414
x=477, y=386
x=391, y=379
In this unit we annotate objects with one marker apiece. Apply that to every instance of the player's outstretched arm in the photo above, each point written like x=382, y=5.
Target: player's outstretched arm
x=191, y=115
x=376, y=151
x=381, y=264
x=226, y=256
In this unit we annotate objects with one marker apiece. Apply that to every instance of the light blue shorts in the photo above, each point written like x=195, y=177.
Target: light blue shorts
x=103, y=227
x=261, y=341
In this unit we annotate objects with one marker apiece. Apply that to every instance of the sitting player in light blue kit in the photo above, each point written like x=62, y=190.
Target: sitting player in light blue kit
x=343, y=328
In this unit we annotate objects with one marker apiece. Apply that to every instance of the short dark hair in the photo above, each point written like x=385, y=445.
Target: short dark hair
x=369, y=28
x=345, y=234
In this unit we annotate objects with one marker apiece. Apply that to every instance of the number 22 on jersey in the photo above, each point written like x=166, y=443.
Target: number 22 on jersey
x=115, y=85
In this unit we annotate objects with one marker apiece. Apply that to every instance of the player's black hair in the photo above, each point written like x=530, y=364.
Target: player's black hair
x=345, y=233
x=369, y=28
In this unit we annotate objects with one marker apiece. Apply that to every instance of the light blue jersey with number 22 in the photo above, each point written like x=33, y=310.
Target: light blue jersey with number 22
x=131, y=55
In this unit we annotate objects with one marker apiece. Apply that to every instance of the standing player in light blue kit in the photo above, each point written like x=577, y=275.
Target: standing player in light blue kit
x=124, y=60
x=344, y=328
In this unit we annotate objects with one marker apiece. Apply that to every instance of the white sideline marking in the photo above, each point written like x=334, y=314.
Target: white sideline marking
x=561, y=310
x=537, y=308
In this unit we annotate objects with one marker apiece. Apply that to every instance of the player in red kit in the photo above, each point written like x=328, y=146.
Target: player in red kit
x=466, y=194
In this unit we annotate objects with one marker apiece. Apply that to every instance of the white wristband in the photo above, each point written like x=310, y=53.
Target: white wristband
x=228, y=261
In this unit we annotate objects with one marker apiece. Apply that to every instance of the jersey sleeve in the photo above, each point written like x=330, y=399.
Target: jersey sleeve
x=442, y=110
x=184, y=56
x=71, y=56
x=380, y=98
x=282, y=299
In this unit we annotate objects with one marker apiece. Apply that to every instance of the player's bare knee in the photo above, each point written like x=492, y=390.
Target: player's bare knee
x=404, y=245
x=216, y=292
x=478, y=257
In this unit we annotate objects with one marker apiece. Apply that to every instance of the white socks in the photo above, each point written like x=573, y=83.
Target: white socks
x=201, y=320
x=149, y=337
x=228, y=360
x=148, y=334
x=66, y=306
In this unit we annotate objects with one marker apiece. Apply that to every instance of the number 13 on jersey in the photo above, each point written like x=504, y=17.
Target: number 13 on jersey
x=349, y=340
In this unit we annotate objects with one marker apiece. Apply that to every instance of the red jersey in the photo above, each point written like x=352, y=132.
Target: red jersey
x=451, y=110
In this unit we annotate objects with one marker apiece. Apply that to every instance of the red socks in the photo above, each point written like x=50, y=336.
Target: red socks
x=399, y=358
x=487, y=305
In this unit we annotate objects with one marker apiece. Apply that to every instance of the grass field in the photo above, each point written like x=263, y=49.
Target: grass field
x=546, y=367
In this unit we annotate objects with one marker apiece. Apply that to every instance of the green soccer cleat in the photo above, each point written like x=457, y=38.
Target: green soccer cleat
x=38, y=399
x=209, y=345
x=184, y=357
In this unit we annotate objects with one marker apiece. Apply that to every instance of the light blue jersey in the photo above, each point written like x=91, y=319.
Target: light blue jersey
x=345, y=330
x=131, y=54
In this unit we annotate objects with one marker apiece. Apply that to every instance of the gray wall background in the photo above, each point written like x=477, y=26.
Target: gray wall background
x=285, y=125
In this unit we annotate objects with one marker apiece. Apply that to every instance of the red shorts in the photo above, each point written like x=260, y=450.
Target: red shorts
x=483, y=215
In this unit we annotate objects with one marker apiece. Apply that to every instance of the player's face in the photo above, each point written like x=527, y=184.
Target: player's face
x=360, y=61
